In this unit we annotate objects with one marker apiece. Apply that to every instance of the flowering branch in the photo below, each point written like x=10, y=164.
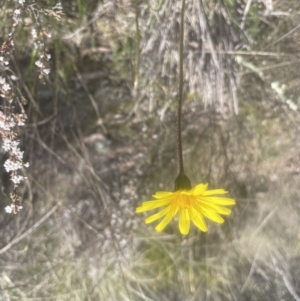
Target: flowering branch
x=12, y=100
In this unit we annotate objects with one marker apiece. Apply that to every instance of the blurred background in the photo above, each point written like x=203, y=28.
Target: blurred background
x=101, y=138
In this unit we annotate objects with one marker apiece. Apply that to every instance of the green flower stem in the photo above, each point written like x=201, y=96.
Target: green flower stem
x=180, y=96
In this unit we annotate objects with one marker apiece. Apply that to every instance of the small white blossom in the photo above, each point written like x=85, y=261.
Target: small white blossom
x=11, y=165
x=13, y=208
x=58, y=6
x=17, y=12
x=21, y=123
x=14, y=144
x=6, y=145
x=33, y=33
x=5, y=125
x=18, y=154
x=6, y=87
x=46, y=71
x=39, y=64
x=17, y=179
x=8, y=209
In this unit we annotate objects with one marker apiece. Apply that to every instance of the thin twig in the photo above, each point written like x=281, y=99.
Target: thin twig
x=283, y=37
x=29, y=231
x=92, y=99
x=246, y=11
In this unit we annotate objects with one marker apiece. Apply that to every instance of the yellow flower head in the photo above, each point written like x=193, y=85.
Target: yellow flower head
x=191, y=205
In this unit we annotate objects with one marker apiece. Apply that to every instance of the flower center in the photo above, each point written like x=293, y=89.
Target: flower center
x=185, y=201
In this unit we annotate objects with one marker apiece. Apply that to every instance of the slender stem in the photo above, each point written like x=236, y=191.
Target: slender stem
x=180, y=96
x=138, y=40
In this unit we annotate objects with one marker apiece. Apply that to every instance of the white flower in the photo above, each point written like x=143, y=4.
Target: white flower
x=11, y=122
x=21, y=123
x=17, y=179
x=2, y=80
x=58, y=6
x=6, y=145
x=18, y=154
x=8, y=209
x=39, y=64
x=11, y=165
x=13, y=208
x=6, y=87
x=6, y=125
x=33, y=33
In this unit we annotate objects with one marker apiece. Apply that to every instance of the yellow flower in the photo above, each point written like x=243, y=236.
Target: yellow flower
x=191, y=205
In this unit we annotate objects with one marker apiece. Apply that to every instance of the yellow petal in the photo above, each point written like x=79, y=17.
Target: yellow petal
x=215, y=208
x=214, y=191
x=166, y=219
x=184, y=221
x=158, y=215
x=149, y=205
x=212, y=215
x=218, y=200
x=199, y=189
x=162, y=194
x=198, y=220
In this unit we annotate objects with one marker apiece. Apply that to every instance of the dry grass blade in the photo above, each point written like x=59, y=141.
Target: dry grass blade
x=30, y=230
